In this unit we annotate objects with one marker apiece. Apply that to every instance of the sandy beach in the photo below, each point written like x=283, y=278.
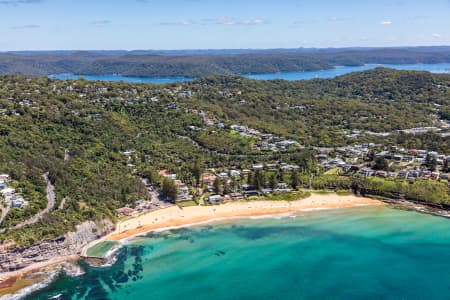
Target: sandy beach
x=175, y=216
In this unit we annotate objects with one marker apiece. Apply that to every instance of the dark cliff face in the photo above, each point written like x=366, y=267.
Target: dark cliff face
x=13, y=259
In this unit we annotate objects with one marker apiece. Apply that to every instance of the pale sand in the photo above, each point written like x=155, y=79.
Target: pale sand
x=175, y=216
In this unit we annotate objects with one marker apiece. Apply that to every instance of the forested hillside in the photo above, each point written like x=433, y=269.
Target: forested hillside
x=78, y=131
x=204, y=63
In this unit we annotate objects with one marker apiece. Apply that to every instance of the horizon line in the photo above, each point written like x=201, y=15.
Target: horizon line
x=230, y=49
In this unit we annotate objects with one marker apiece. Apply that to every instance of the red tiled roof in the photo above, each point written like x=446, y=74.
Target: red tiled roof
x=164, y=172
x=125, y=210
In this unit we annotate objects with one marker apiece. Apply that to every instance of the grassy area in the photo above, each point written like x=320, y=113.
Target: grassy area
x=344, y=192
x=322, y=192
x=292, y=196
x=334, y=171
x=186, y=203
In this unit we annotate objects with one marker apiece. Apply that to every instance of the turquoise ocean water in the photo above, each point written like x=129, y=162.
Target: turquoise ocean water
x=357, y=253
x=434, y=68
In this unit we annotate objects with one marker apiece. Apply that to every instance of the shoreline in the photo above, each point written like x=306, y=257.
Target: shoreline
x=176, y=217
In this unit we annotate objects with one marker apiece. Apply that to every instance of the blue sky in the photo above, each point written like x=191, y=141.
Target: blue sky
x=214, y=24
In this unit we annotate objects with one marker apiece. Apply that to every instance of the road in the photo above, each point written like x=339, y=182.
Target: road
x=5, y=211
x=51, y=197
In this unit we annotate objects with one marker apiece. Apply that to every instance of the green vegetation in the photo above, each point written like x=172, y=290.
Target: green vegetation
x=292, y=196
x=97, y=138
x=203, y=63
x=169, y=190
x=325, y=112
x=186, y=203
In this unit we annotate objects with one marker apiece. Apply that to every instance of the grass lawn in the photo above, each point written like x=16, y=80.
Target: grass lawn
x=344, y=192
x=186, y=203
x=292, y=196
x=321, y=192
x=333, y=171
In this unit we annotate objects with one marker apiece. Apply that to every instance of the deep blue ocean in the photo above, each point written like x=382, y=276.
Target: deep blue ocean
x=357, y=253
x=434, y=68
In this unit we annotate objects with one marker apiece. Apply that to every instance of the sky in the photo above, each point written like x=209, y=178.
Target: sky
x=220, y=24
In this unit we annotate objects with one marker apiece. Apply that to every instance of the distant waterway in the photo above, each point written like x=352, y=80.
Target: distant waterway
x=117, y=78
x=338, y=71
x=342, y=70
x=356, y=253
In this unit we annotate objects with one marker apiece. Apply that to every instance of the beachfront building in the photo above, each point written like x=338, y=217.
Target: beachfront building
x=214, y=199
x=183, y=192
x=126, y=211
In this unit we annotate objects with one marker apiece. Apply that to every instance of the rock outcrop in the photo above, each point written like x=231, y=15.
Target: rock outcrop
x=13, y=259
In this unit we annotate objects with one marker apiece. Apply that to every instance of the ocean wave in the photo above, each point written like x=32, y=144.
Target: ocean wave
x=22, y=293
x=276, y=216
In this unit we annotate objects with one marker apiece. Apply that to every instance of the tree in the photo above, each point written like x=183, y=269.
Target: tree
x=430, y=162
x=432, y=165
x=295, y=180
x=250, y=178
x=169, y=189
x=197, y=171
x=381, y=164
x=226, y=187
x=306, y=159
x=151, y=175
x=371, y=155
x=234, y=184
x=217, y=184
x=273, y=180
x=259, y=180
x=445, y=166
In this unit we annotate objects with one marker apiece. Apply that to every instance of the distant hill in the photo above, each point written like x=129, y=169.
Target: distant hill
x=195, y=63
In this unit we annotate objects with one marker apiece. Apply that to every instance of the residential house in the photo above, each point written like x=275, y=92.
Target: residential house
x=8, y=192
x=4, y=177
x=403, y=174
x=235, y=173
x=17, y=201
x=167, y=174
x=236, y=196
x=208, y=178
x=213, y=199
x=125, y=211
x=435, y=175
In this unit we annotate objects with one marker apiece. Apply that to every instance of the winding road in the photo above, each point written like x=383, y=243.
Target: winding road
x=5, y=210
x=51, y=197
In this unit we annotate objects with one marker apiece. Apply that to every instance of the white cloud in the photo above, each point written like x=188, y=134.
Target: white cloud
x=27, y=26
x=100, y=22
x=217, y=21
x=254, y=22
x=336, y=19
x=436, y=35
x=234, y=21
x=19, y=2
x=386, y=22
x=178, y=23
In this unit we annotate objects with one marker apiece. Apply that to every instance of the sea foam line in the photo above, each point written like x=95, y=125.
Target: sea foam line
x=22, y=293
